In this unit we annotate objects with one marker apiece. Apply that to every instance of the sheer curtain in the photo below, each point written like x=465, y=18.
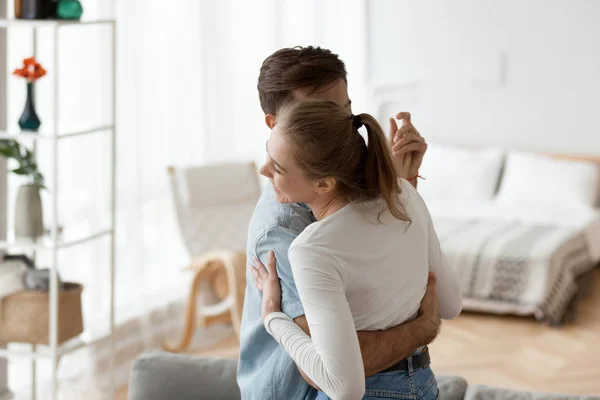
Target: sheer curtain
x=186, y=94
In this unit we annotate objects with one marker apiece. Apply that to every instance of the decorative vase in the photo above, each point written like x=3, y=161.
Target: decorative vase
x=28, y=9
x=29, y=120
x=69, y=9
x=29, y=219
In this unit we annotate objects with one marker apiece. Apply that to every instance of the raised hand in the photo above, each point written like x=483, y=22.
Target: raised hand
x=408, y=146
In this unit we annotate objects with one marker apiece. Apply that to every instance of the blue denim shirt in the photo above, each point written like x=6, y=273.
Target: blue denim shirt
x=265, y=370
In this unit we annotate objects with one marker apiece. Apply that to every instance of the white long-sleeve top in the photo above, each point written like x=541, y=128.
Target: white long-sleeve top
x=354, y=273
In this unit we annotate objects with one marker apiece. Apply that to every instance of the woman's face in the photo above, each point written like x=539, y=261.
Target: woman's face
x=288, y=180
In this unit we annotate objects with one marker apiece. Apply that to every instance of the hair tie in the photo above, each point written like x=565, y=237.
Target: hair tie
x=356, y=121
x=417, y=176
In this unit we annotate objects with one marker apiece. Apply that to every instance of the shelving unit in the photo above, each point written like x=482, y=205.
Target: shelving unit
x=53, y=242
x=45, y=352
x=45, y=23
x=46, y=136
x=49, y=244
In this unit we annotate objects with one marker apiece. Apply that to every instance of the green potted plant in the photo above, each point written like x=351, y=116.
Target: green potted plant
x=29, y=221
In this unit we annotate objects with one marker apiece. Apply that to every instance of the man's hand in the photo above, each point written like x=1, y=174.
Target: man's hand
x=429, y=310
x=382, y=349
x=408, y=146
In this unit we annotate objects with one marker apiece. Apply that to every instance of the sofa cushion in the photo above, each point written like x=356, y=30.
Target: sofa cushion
x=482, y=392
x=451, y=387
x=160, y=376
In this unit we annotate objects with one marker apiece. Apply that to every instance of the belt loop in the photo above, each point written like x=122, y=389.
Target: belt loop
x=410, y=366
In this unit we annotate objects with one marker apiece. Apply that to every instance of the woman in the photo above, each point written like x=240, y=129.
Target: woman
x=364, y=264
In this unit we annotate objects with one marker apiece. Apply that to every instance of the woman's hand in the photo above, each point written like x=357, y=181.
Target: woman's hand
x=267, y=281
x=408, y=146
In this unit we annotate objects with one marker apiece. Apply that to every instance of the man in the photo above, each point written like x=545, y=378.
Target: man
x=265, y=370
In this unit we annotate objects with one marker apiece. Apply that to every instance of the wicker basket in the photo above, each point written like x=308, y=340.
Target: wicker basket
x=24, y=316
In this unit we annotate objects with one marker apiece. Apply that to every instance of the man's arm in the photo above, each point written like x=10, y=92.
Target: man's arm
x=382, y=349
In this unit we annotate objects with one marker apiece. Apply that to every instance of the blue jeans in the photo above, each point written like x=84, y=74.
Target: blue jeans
x=418, y=384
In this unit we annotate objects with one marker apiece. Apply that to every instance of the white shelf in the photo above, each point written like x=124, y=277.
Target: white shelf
x=71, y=237
x=46, y=243
x=44, y=352
x=28, y=135
x=50, y=23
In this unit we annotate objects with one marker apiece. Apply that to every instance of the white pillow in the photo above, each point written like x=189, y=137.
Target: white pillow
x=454, y=174
x=533, y=179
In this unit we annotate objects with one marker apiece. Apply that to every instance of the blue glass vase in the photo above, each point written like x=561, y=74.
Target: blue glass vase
x=29, y=120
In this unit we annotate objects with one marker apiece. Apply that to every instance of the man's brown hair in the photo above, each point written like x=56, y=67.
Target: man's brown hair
x=293, y=68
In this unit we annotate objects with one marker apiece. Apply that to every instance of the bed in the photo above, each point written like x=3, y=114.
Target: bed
x=520, y=229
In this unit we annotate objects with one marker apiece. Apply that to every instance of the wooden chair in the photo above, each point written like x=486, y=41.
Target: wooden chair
x=213, y=204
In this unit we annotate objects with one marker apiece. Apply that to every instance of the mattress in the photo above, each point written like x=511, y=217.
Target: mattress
x=523, y=262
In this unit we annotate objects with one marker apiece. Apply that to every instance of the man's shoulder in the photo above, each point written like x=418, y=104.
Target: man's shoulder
x=271, y=216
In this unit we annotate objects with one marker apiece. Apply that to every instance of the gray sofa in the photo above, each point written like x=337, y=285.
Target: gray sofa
x=159, y=376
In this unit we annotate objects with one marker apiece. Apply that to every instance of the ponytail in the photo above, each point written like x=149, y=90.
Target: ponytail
x=379, y=173
x=326, y=143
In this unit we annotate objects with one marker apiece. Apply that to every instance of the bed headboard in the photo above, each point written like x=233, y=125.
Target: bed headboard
x=574, y=157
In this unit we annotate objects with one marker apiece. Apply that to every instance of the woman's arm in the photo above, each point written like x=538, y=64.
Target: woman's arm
x=382, y=349
x=448, y=287
x=331, y=358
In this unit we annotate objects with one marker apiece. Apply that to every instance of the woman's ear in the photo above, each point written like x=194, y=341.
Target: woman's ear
x=325, y=186
x=270, y=120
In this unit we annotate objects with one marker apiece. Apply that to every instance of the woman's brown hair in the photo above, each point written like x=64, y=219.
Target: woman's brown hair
x=326, y=144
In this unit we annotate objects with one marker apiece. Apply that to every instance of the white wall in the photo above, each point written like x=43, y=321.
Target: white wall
x=522, y=74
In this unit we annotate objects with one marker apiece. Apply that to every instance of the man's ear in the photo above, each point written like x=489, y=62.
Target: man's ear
x=325, y=186
x=270, y=120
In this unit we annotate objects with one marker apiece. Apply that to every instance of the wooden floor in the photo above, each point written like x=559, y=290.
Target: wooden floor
x=520, y=353
x=511, y=352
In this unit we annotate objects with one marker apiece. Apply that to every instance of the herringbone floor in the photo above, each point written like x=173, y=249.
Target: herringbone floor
x=511, y=352
x=520, y=353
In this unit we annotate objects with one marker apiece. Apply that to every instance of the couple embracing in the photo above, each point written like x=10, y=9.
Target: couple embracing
x=346, y=281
